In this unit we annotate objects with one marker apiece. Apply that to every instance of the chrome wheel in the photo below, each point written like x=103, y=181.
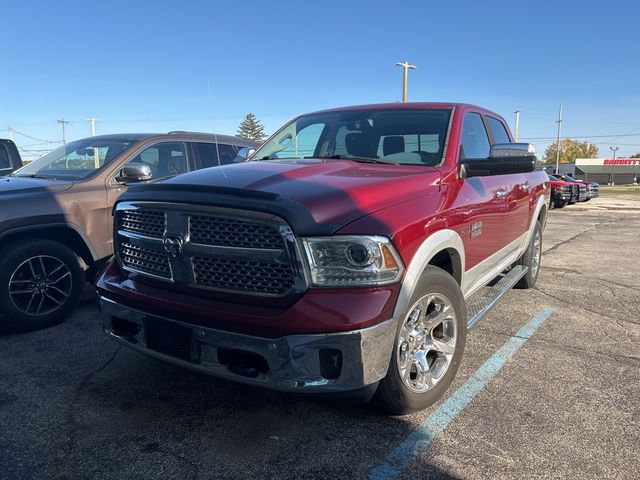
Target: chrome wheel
x=40, y=285
x=536, y=253
x=426, y=343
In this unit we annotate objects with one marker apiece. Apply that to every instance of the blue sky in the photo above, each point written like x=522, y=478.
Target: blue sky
x=149, y=66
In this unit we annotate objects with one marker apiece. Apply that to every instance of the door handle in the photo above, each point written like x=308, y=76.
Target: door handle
x=525, y=187
x=501, y=193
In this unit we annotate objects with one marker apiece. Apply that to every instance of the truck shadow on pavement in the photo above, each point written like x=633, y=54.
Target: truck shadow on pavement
x=143, y=411
x=104, y=411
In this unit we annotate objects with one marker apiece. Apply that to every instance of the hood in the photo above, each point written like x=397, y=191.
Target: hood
x=334, y=192
x=12, y=186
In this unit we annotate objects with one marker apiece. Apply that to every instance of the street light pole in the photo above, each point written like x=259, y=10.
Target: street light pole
x=614, y=150
x=406, y=66
x=93, y=121
x=517, y=112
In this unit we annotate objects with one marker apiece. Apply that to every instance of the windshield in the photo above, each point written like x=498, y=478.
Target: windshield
x=400, y=136
x=75, y=160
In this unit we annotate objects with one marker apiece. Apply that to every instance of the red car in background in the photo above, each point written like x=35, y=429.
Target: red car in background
x=565, y=193
x=592, y=188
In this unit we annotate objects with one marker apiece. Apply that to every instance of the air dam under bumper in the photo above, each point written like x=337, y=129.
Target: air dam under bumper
x=314, y=363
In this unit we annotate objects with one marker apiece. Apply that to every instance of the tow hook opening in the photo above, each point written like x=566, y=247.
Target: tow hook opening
x=242, y=362
x=124, y=328
x=330, y=363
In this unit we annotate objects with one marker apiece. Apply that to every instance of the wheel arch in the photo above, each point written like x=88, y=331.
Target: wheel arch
x=67, y=234
x=443, y=249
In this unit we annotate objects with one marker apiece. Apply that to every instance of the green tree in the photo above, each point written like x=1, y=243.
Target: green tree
x=570, y=150
x=251, y=128
x=637, y=155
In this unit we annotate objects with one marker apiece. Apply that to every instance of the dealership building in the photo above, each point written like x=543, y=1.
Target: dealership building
x=608, y=170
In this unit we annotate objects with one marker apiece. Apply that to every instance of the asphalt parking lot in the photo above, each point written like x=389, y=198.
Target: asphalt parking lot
x=74, y=404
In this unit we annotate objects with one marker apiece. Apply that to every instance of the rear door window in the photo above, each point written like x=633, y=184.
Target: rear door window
x=500, y=134
x=213, y=156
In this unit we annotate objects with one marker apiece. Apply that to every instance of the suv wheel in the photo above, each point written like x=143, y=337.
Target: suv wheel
x=428, y=347
x=40, y=283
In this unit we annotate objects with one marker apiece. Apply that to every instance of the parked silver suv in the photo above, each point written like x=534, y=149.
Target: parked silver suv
x=55, y=213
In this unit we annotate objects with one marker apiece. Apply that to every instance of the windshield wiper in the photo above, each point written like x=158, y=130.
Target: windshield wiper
x=357, y=159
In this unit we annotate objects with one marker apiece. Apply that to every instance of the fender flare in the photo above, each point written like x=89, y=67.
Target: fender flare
x=440, y=240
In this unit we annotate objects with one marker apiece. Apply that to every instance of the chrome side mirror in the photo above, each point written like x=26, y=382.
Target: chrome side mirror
x=133, y=173
x=511, y=150
x=244, y=154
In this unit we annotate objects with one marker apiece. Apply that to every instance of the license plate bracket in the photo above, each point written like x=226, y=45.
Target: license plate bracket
x=170, y=338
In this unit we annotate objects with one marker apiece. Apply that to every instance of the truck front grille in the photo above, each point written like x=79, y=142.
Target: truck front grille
x=210, y=248
x=150, y=223
x=151, y=261
x=242, y=275
x=231, y=232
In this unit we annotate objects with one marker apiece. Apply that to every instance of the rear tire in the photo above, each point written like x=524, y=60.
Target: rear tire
x=531, y=258
x=560, y=204
x=428, y=347
x=40, y=284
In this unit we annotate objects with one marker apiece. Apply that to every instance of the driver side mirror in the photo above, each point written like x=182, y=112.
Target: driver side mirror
x=133, y=173
x=244, y=154
x=504, y=159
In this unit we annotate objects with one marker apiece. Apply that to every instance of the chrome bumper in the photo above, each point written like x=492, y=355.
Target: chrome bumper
x=294, y=361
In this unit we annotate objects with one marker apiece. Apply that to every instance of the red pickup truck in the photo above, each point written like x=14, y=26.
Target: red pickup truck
x=348, y=256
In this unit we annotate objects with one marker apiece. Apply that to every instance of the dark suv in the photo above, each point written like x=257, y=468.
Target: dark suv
x=56, y=213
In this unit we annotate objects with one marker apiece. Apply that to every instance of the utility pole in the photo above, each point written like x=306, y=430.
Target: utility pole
x=517, y=112
x=406, y=66
x=64, y=123
x=613, y=166
x=93, y=121
x=10, y=133
x=559, y=122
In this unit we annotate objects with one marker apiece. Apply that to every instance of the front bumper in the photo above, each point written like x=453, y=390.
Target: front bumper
x=309, y=363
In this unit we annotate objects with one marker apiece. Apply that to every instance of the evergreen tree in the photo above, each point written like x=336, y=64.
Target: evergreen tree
x=251, y=128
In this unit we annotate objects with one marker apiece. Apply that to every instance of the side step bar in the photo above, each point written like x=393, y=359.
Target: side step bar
x=482, y=301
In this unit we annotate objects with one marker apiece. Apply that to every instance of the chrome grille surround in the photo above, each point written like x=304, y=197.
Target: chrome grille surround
x=221, y=249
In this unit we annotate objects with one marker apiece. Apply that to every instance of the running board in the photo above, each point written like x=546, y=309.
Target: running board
x=481, y=302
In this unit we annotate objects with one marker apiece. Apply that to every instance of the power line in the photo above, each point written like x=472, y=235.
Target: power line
x=33, y=138
x=613, y=135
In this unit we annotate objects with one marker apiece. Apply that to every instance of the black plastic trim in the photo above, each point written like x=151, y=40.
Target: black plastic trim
x=296, y=215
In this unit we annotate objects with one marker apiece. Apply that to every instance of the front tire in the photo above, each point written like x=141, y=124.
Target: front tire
x=40, y=284
x=428, y=347
x=531, y=258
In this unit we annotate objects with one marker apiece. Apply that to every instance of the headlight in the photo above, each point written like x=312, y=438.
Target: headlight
x=344, y=261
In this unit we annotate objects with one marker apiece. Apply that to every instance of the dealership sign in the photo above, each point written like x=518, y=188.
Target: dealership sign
x=608, y=165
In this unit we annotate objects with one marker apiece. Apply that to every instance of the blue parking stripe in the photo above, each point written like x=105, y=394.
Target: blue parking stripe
x=402, y=456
